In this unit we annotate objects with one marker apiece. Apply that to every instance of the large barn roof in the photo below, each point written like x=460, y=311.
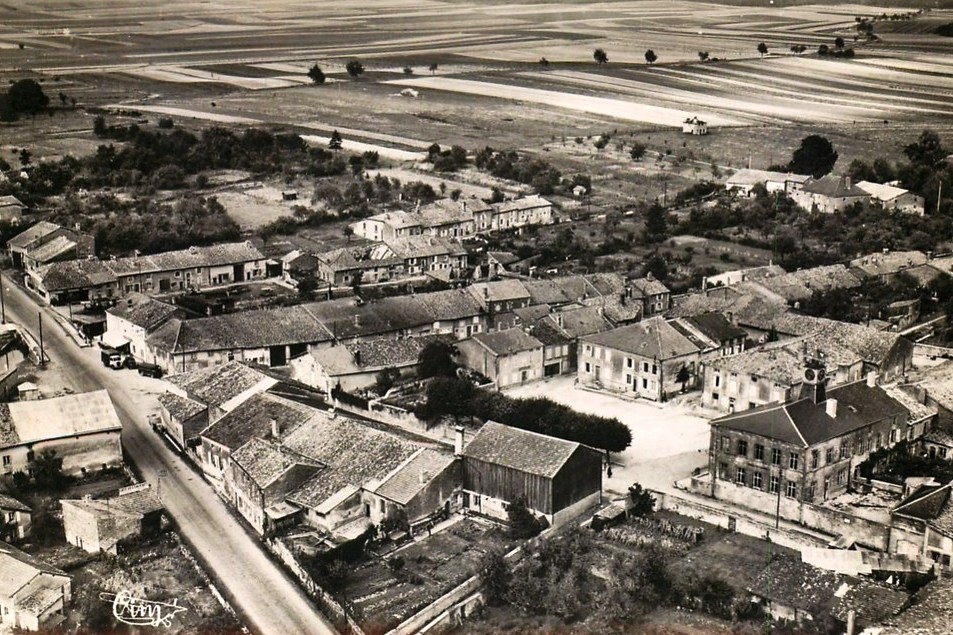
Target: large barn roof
x=520, y=450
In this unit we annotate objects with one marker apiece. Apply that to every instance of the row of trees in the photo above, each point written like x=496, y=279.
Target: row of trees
x=458, y=398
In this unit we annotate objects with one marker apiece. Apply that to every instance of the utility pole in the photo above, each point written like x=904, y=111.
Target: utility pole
x=3, y=308
x=939, y=196
x=39, y=317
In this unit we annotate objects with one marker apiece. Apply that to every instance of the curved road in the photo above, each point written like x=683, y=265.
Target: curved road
x=268, y=599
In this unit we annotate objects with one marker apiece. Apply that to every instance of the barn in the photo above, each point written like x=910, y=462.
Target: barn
x=556, y=478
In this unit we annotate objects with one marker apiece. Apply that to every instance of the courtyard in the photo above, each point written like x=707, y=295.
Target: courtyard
x=668, y=440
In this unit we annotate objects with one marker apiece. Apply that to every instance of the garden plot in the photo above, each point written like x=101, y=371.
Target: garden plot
x=254, y=207
x=435, y=180
x=616, y=108
x=359, y=146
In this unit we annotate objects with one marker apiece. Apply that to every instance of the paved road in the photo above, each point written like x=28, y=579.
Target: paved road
x=270, y=601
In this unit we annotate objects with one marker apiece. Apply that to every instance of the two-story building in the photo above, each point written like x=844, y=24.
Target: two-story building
x=509, y=358
x=513, y=214
x=894, y=198
x=643, y=359
x=448, y=218
x=655, y=296
x=16, y=519
x=47, y=242
x=392, y=224
x=130, y=321
x=424, y=254
x=829, y=194
x=33, y=594
x=801, y=451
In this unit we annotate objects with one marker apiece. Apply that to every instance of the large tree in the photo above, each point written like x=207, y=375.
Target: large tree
x=926, y=150
x=656, y=223
x=815, y=156
x=762, y=49
x=600, y=56
x=650, y=56
x=436, y=360
x=27, y=96
x=354, y=68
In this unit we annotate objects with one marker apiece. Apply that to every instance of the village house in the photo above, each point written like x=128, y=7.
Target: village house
x=11, y=209
x=560, y=332
x=886, y=265
x=392, y=224
x=33, y=594
x=82, y=429
x=182, y=420
x=717, y=336
x=15, y=519
x=737, y=276
x=348, y=266
x=355, y=365
x=46, y=242
x=513, y=214
x=928, y=615
x=694, y=126
x=132, y=319
x=100, y=525
x=356, y=457
x=448, y=218
x=424, y=255
x=498, y=299
x=772, y=373
x=829, y=194
x=170, y=271
x=220, y=389
x=926, y=515
x=262, y=415
x=894, y=198
x=555, y=478
x=497, y=263
x=270, y=337
x=425, y=485
x=790, y=454
x=744, y=181
x=508, y=358
x=801, y=285
x=644, y=359
x=656, y=297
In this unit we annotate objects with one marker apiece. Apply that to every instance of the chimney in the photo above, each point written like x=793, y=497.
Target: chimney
x=357, y=319
x=458, y=441
x=872, y=379
x=423, y=477
x=831, y=408
x=819, y=392
x=851, y=621
x=846, y=182
x=559, y=320
x=649, y=276
x=275, y=433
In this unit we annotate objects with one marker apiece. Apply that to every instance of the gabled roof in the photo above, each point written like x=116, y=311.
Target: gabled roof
x=881, y=192
x=411, y=477
x=397, y=219
x=26, y=238
x=264, y=461
x=343, y=319
x=75, y=274
x=405, y=247
x=650, y=286
x=802, y=284
x=9, y=503
x=18, y=568
x=526, y=202
x=503, y=257
x=650, y=338
x=788, y=581
x=253, y=418
x=878, y=264
x=52, y=249
x=452, y=304
x=355, y=454
x=499, y=291
x=180, y=408
x=580, y=322
x=139, y=501
x=783, y=362
x=545, y=292
x=507, y=342
x=805, y=423
x=715, y=326
x=521, y=450
x=833, y=186
x=599, y=283
x=381, y=352
x=65, y=416
x=217, y=385
x=929, y=615
x=9, y=200
x=142, y=311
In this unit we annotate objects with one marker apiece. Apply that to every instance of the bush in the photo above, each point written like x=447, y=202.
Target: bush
x=166, y=123
x=523, y=524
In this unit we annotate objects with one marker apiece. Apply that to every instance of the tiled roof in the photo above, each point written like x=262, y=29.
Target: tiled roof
x=65, y=416
x=18, y=568
x=446, y=211
x=805, y=423
x=938, y=383
x=720, y=299
x=217, y=385
x=52, y=249
x=878, y=264
x=520, y=450
x=929, y=614
x=872, y=602
x=925, y=274
x=335, y=360
x=715, y=326
x=354, y=453
x=918, y=410
x=532, y=313
x=579, y=322
x=380, y=352
x=8, y=434
x=264, y=461
x=940, y=437
x=833, y=186
x=405, y=247
x=650, y=286
x=601, y=283
x=142, y=310
x=345, y=320
x=136, y=503
x=548, y=333
x=508, y=342
x=39, y=230
x=881, y=191
x=414, y=475
x=452, y=304
x=397, y=219
x=503, y=257
x=526, y=202
x=253, y=419
x=180, y=408
x=650, y=338
x=545, y=292
x=7, y=200
x=499, y=291
x=802, y=284
x=752, y=177
x=75, y=274
x=926, y=502
x=789, y=582
x=11, y=504
x=619, y=311
x=783, y=362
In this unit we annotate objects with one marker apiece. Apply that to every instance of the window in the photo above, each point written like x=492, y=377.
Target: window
x=715, y=396
x=942, y=453
x=654, y=369
x=774, y=484
x=725, y=444
x=6, y=460
x=645, y=383
x=588, y=350
x=741, y=476
x=756, y=480
x=722, y=470
x=893, y=436
x=794, y=459
x=717, y=381
x=878, y=441
x=830, y=455
x=645, y=367
x=628, y=379
x=790, y=489
x=815, y=459
x=776, y=456
x=588, y=367
x=844, y=449
x=811, y=490
x=629, y=362
x=758, y=452
x=742, y=448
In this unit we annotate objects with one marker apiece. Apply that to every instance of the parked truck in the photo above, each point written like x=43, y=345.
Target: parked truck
x=116, y=359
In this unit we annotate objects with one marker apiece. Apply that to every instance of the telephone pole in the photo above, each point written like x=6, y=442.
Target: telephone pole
x=39, y=317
